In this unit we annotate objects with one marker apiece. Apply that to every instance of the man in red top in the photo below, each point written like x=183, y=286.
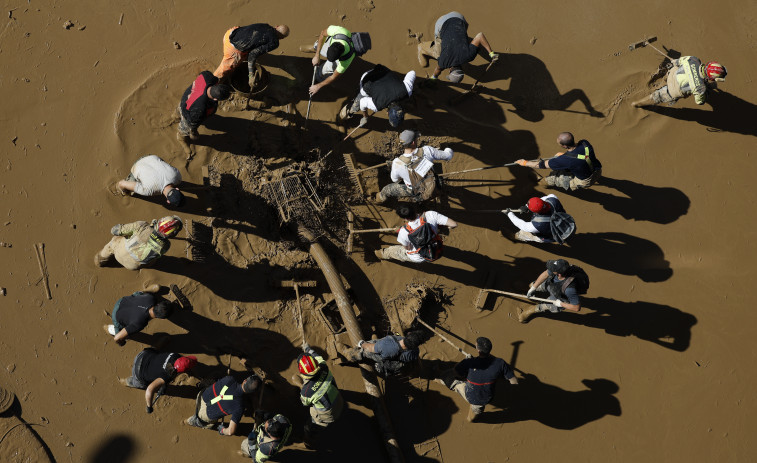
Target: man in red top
x=199, y=101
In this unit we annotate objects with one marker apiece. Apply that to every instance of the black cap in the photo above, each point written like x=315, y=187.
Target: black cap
x=175, y=197
x=335, y=50
x=483, y=345
x=558, y=266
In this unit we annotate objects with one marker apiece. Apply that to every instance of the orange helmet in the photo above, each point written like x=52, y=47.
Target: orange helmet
x=307, y=364
x=715, y=71
x=169, y=226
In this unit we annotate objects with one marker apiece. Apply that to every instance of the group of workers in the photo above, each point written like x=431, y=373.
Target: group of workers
x=138, y=244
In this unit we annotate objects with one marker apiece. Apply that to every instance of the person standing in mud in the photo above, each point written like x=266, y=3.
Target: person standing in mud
x=153, y=371
x=318, y=391
x=564, y=283
x=151, y=176
x=576, y=167
x=335, y=44
x=248, y=42
x=138, y=244
x=474, y=378
x=200, y=101
x=451, y=46
x=408, y=167
x=381, y=89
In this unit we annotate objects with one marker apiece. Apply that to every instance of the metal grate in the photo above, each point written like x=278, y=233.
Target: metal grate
x=294, y=197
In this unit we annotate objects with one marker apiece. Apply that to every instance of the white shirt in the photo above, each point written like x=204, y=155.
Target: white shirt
x=366, y=102
x=432, y=218
x=522, y=224
x=153, y=174
x=399, y=168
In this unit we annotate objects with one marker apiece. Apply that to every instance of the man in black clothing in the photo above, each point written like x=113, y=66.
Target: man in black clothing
x=224, y=397
x=474, y=378
x=576, y=167
x=200, y=100
x=132, y=313
x=451, y=46
x=248, y=42
x=153, y=370
x=381, y=89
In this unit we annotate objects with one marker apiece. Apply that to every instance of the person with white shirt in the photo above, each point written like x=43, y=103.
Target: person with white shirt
x=418, y=239
x=538, y=228
x=412, y=172
x=381, y=89
x=151, y=176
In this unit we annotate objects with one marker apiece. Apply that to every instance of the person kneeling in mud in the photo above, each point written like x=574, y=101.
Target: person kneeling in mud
x=418, y=239
x=153, y=371
x=267, y=438
x=412, y=172
x=564, y=283
x=389, y=354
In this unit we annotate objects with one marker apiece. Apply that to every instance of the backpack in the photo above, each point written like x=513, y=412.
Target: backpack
x=562, y=226
x=423, y=187
x=579, y=277
x=361, y=43
x=428, y=243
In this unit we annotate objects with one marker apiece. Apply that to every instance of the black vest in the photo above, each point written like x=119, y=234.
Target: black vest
x=384, y=87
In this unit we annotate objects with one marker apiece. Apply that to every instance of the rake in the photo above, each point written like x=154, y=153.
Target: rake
x=349, y=164
x=352, y=231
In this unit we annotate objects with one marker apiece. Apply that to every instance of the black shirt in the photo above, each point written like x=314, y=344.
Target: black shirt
x=155, y=365
x=254, y=39
x=481, y=374
x=578, y=167
x=232, y=404
x=196, y=105
x=134, y=311
x=456, y=48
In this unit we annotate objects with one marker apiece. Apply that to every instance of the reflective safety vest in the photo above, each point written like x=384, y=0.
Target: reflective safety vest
x=584, y=157
x=322, y=386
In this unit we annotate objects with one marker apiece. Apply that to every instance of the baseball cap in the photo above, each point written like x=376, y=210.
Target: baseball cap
x=558, y=266
x=408, y=136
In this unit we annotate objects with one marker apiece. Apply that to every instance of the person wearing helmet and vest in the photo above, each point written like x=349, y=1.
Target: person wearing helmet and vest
x=139, y=244
x=563, y=282
x=318, y=390
x=688, y=76
x=452, y=47
x=224, y=397
x=153, y=371
x=131, y=314
x=407, y=169
x=538, y=229
x=576, y=167
x=267, y=439
x=334, y=44
x=381, y=89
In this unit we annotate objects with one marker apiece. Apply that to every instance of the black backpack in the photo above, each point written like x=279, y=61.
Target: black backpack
x=562, y=225
x=578, y=277
x=428, y=243
x=361, y=43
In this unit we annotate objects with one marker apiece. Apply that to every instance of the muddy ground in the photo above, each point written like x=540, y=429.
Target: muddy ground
x=656, y=367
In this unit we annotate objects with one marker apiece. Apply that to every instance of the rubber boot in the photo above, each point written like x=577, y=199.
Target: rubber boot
x=379, y=198
x=344, y=113
x=379, y=253
x=646, y=101
x=422, y=59
x=307, y=48
x=524, y=315
x=152, y=289
x=296, y=380
x=100, y=260
x=471, y=416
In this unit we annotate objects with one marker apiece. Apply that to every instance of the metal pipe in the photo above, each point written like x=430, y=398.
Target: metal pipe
x=334, y=280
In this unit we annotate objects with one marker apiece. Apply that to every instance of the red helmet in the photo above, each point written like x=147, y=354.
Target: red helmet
x=715, y=71
x=169, y=226
x=307, y=364
x=537, y=206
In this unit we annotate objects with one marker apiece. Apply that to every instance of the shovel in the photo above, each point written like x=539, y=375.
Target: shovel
x=460, y=97
x=310, y=100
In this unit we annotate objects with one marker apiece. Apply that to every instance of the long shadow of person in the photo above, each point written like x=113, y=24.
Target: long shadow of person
x=118, y=448
x=553, y=406
x=617, y=252
x=663, y=204
x=729, y=114
x=532, y=89
x=657, y=323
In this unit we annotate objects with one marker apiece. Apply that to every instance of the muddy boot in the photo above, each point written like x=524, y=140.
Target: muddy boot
x=307, y=48
x=110, y=329
x=100, y=260
x=152, y=289
x=310, y=435
x=471, y=415
x=646, y=101
x=343, y=113
x=184, y=145
x=524, y=315
x=296, y=380
x=379, y=198
x=379, y=253
x=422, y=59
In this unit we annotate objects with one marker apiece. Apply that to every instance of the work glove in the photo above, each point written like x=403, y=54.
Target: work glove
x=363, y=121
x=557, y=303
x=220, y=429
x=449, y=150
x=521, y=162
x=116, y=230
x=149, y=409
x=523, y=209
x=531, y=291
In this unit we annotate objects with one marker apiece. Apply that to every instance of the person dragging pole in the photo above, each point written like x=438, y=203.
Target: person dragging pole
x=564, y=283
x=575, y=168
x=549, y=222
x=418, y=239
